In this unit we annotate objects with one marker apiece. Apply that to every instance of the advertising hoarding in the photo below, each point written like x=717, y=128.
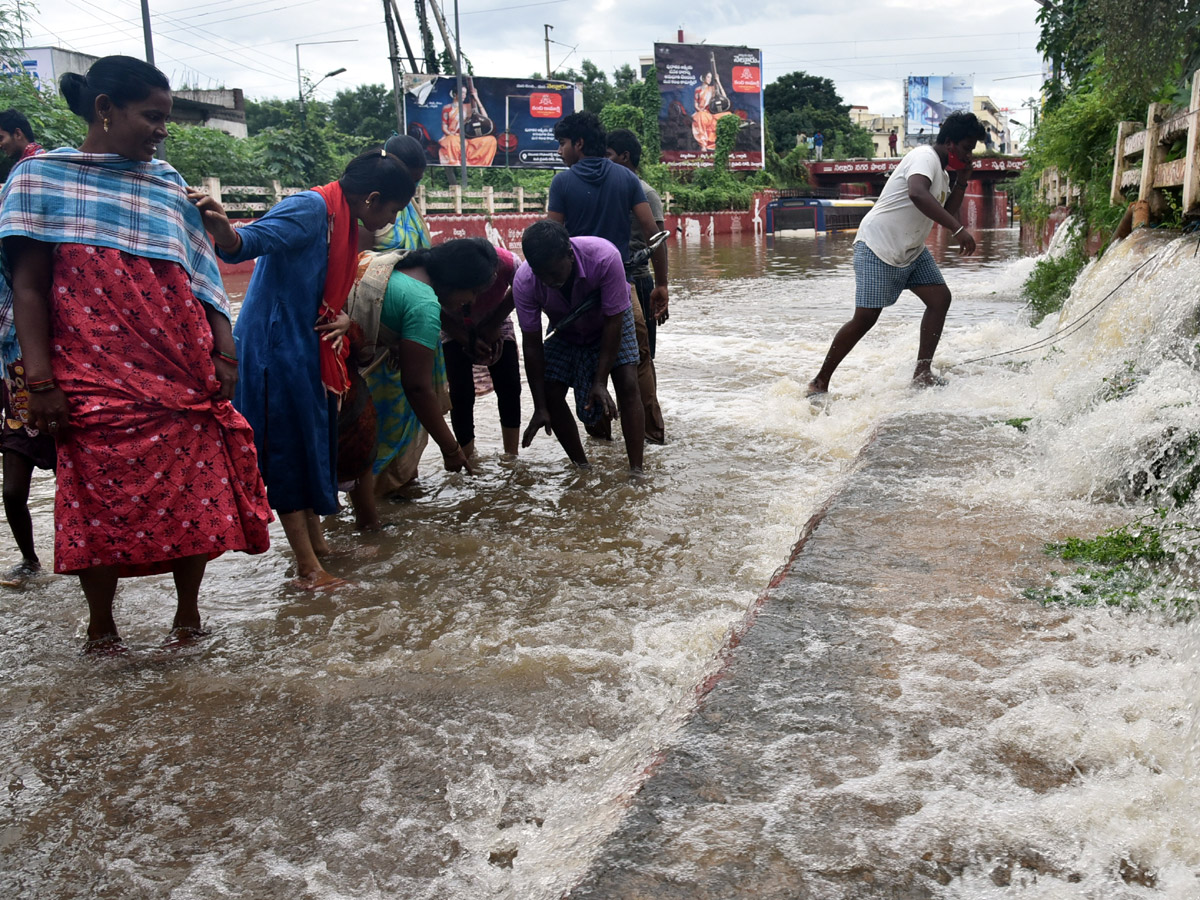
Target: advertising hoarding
x=931, y=98
x=507, y=121
x=699, y=85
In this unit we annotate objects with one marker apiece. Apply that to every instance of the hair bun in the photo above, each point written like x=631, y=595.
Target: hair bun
x=72, y=87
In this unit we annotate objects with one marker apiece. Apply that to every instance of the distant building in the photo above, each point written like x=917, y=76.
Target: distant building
x=880, y=127
x=224, y=109
x=995, y=121
x=45, y=65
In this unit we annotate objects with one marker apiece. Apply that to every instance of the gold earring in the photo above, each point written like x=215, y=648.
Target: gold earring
x=106, y=124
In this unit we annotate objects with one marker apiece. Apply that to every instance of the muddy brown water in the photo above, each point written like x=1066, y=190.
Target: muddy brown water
x=513, y=678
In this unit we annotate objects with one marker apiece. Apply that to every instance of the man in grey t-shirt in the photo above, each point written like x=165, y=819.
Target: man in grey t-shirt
x=624, y=149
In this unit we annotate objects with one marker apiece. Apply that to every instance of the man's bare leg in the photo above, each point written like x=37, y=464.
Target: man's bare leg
x=633, y=414
x=562, y=422
x=936, y=298
x=843, y=342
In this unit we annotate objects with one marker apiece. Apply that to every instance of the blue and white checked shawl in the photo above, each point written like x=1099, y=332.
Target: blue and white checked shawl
x=105, y=200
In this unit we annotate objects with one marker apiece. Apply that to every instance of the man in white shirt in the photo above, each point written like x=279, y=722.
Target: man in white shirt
x=890, y=253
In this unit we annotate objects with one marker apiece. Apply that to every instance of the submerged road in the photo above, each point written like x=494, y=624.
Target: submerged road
x=872, y=686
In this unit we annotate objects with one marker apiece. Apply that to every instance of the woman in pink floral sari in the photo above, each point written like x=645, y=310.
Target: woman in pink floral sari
x=129, y=357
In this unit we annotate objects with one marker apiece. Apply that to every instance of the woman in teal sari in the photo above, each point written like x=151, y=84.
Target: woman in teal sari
x=402, y=439
x=403, y=331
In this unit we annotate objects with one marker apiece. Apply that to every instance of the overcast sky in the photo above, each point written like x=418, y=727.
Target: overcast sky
x=867, y=47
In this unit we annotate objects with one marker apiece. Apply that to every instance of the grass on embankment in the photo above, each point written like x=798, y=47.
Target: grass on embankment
x=1149, y=563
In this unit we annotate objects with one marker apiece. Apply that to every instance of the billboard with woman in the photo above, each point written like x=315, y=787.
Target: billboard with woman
x=701, y=84
x=504, y=121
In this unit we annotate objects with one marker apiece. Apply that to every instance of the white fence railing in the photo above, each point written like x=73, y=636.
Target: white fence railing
x=1151, y=143
x=252, y=201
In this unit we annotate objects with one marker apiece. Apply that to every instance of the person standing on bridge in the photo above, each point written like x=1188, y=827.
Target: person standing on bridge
x=892, y=139
x=890, y=253
x=818, y=146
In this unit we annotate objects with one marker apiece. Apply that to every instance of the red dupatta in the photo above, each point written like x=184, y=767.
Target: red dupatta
x=339, y=280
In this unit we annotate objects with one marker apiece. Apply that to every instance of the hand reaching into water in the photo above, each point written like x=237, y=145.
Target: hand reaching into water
x=540, y=419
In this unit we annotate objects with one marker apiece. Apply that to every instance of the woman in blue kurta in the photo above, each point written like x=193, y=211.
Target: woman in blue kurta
x=288, y=334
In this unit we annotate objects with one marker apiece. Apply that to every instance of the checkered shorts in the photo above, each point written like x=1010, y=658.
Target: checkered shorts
x=876, y=284
x=575, y=365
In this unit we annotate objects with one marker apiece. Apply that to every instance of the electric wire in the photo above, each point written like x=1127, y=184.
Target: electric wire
x=1068, y=329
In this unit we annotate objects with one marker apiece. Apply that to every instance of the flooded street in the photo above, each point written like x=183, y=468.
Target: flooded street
x=519, y=651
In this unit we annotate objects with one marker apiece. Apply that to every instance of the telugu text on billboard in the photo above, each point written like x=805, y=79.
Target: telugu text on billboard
x=506, y=121
x=933, y=97
x=701, y=84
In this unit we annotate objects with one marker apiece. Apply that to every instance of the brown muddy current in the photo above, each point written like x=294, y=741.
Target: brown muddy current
x=476, y=716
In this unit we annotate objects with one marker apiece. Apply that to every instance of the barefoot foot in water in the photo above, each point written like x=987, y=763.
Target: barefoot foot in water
x=22, y=572
x=184, y=636
x=319, y=581
x=105, y=645
x=925, y=379
x=816, y=388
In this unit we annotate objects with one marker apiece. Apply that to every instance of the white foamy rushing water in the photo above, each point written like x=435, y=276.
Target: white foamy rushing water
x=472, y=717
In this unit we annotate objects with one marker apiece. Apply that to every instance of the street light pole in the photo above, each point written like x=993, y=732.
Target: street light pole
x=299, y=82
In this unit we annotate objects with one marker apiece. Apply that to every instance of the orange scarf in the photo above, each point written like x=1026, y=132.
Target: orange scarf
x=339, y=279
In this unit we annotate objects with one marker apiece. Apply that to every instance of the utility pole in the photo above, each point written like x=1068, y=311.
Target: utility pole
x=549, y=28
x=412, y=59
x=160, y=151
x=458, y=90
x=462, y=132
x=394, y=64
x=146, y=31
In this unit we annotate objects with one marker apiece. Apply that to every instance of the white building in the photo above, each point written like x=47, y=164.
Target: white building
x=224, y=110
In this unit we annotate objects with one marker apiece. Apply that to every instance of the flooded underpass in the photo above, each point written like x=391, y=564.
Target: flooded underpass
x=532, y=690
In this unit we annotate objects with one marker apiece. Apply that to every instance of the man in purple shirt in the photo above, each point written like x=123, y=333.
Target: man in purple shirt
x=580, y=285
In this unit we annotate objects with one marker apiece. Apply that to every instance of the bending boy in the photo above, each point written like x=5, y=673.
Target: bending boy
x=580, y=284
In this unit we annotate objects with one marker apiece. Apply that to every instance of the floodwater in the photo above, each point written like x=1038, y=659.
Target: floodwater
x=521, y=649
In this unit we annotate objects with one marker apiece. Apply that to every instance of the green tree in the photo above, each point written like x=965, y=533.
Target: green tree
x=301, y=157
x=53, y=124
x=1110, y=60
x=727, y=132
x=1068, y=40
x=367, y=111
x=799, y=102
x=645, y=95
x=1138, y=45
x=277, y=113
x=198, y=152
x=622, y=115
x=623, y=79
